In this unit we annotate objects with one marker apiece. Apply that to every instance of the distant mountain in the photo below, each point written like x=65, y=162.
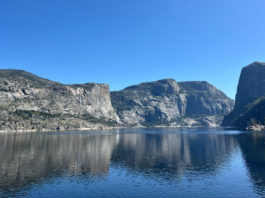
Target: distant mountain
x=250, y=104
x=168, y=103
x=31, y=103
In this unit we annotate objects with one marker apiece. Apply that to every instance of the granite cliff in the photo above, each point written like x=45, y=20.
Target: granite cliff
x=31, y=103
x=250, y=104
x=168, y=103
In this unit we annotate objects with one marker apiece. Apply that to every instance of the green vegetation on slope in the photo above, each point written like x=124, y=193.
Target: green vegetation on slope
x=255, y=114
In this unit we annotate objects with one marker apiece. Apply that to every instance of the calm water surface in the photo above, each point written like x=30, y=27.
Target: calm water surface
x=133, y=163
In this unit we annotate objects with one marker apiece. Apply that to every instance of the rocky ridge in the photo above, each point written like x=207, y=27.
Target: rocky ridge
x=168, y=103
x=31, y=103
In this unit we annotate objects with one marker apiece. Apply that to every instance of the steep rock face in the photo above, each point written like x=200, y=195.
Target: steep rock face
x=166, y=102
x=251, y=88
x=205, y=99
x=28, y=102
x=253, y=118
x=251, y=85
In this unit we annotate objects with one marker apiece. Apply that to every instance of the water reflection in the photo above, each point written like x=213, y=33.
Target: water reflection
x=26, y=160
x=253, y=149
x=173, y=153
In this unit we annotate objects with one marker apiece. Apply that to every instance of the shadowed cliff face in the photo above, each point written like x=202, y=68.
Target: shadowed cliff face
x=169, y=103
x=205, y=99
x=28, y=102
x=251, y=85
x=250, y=91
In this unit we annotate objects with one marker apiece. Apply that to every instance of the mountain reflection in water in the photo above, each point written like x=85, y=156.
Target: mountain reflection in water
x=168, y=157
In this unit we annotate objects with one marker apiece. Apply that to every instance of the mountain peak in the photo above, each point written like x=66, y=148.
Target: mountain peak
x=255, y=64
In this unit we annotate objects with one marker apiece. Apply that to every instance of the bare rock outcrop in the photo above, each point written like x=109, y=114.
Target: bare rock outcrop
x=168, y=103
x=31, y=103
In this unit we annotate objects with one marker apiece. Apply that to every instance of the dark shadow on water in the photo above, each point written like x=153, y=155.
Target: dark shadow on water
x=253, y=149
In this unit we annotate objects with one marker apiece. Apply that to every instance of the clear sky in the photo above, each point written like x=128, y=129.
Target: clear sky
x=125, y=42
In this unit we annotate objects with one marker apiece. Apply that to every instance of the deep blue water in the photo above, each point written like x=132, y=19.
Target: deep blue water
x=133, y=163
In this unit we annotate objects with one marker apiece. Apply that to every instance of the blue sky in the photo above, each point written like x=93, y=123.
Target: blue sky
x=125, y=42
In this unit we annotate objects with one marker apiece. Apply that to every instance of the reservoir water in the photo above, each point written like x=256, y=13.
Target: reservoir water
x=133, y=163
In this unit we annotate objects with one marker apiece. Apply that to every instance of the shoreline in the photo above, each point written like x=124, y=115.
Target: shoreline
x=102, y=129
